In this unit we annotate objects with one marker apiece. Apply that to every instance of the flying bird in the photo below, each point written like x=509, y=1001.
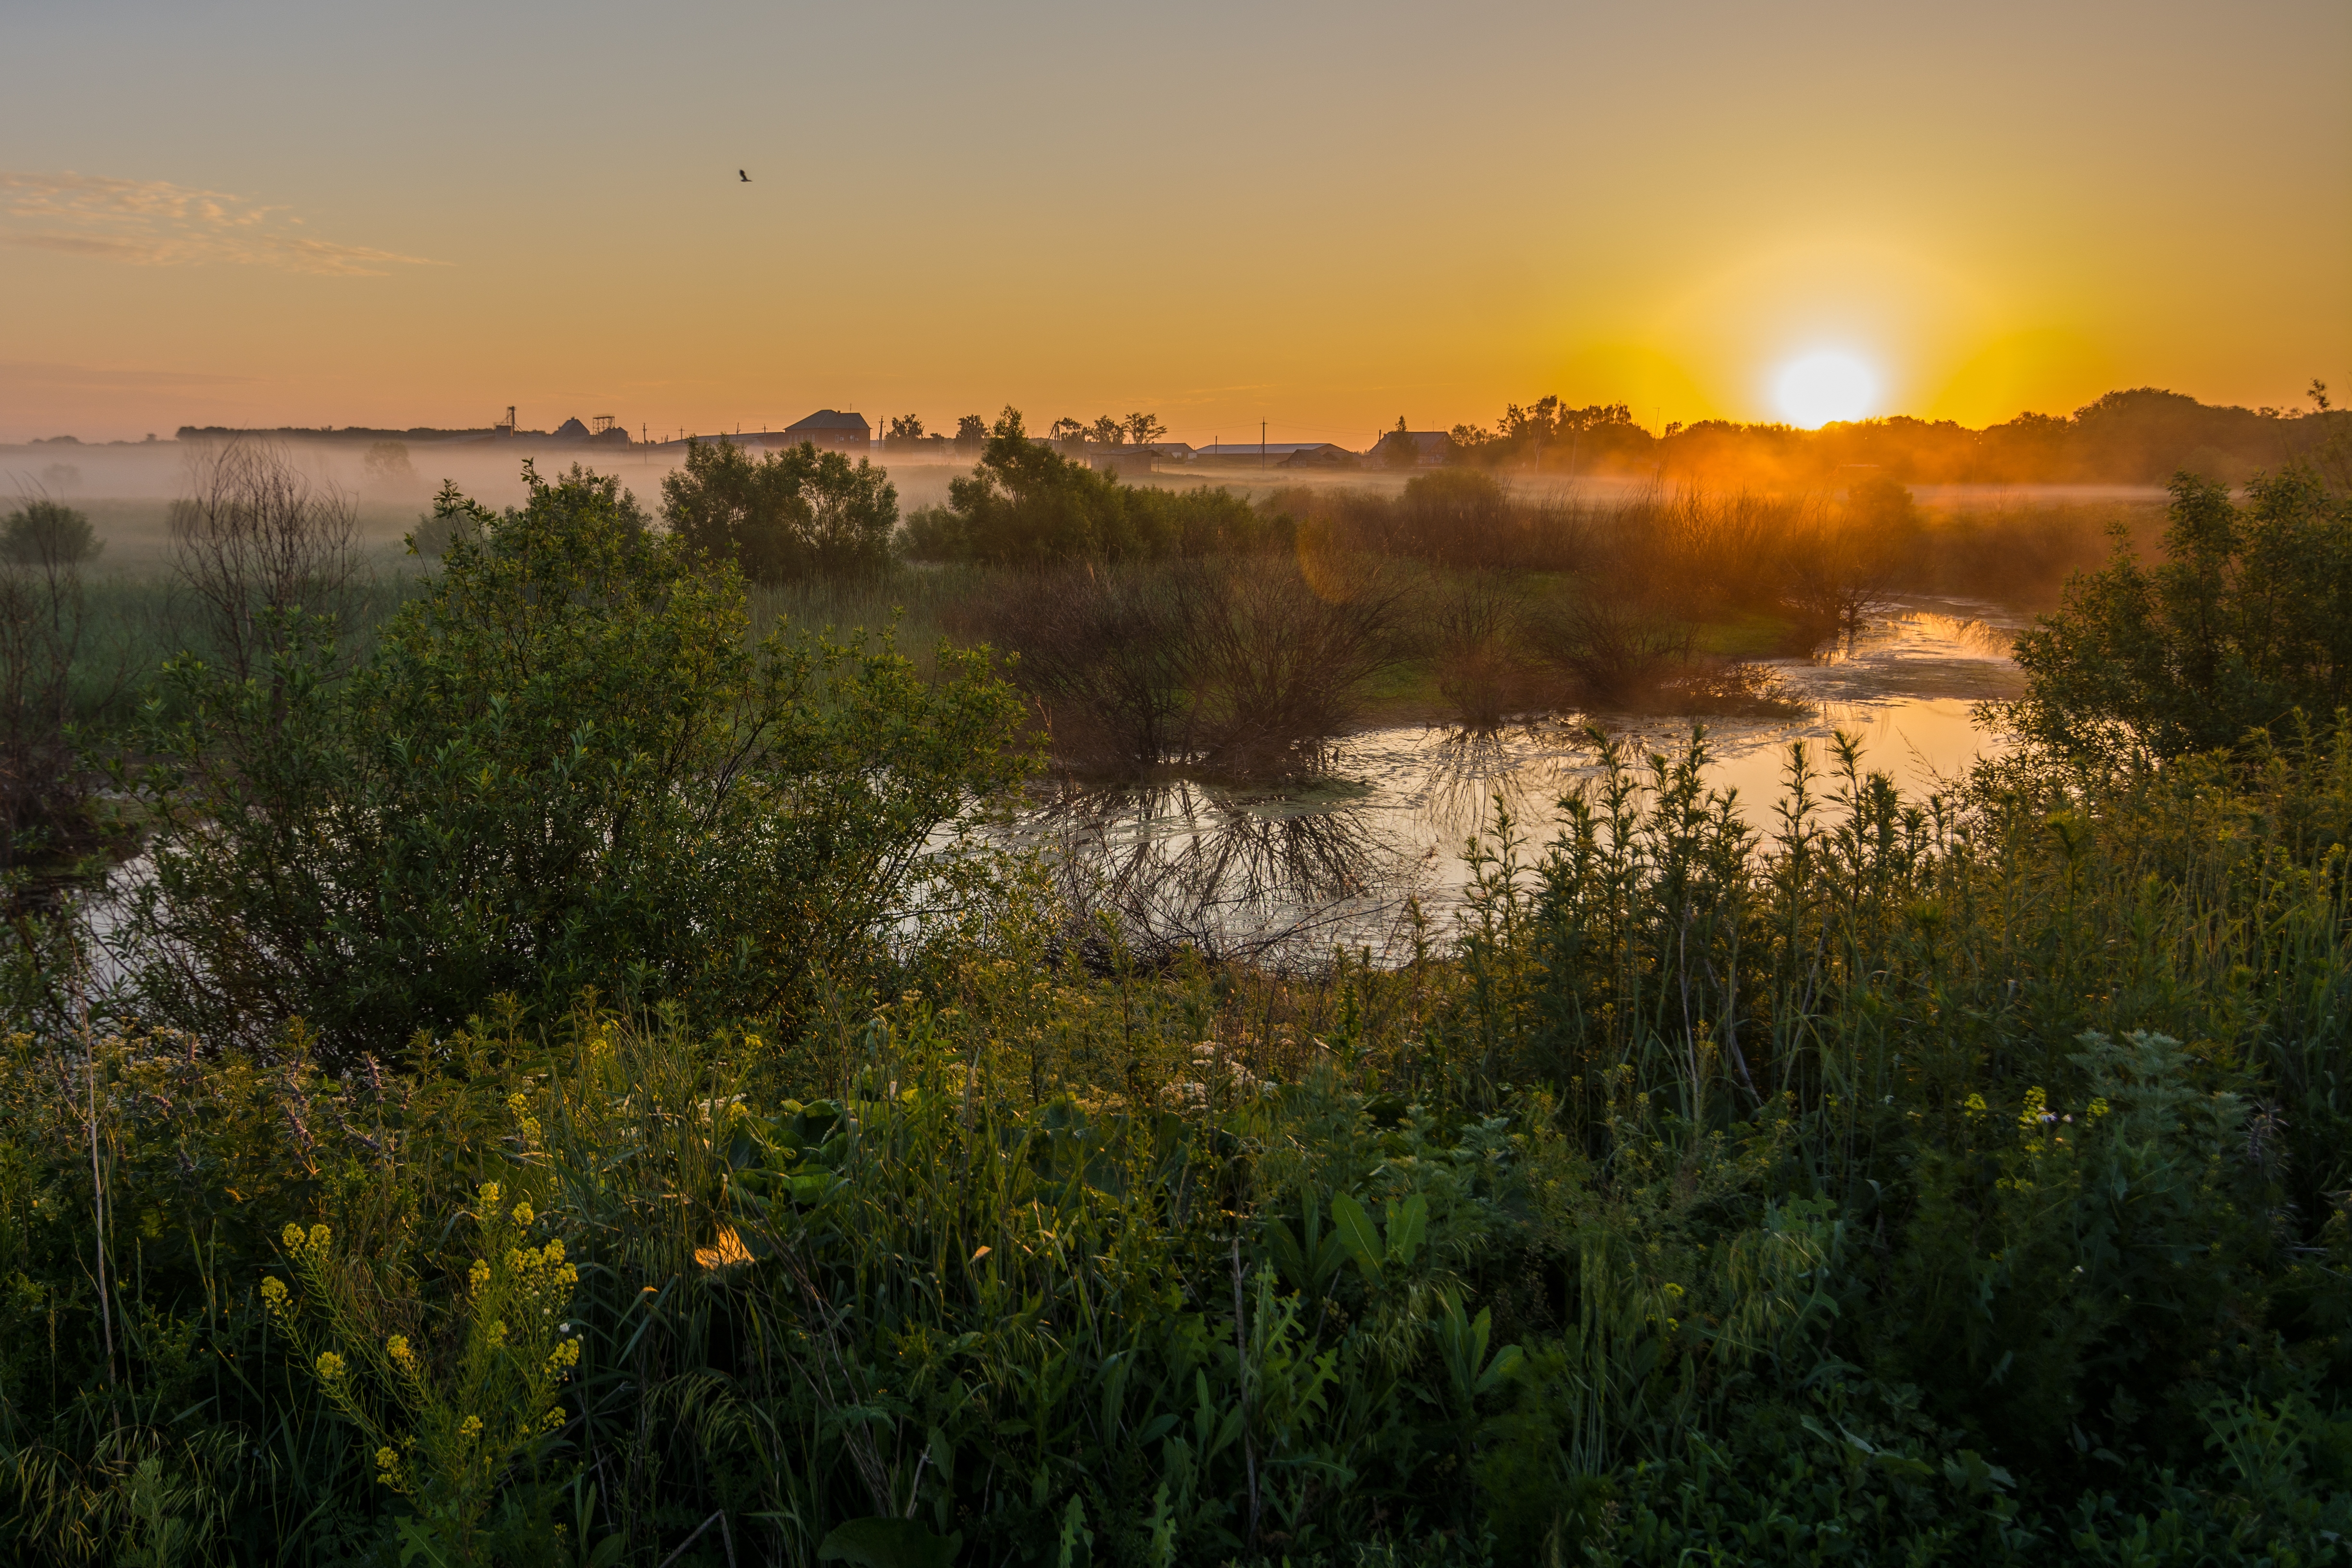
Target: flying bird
x=742, y=176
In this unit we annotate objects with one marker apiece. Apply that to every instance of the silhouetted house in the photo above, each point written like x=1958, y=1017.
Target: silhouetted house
x=1121, y=462
x=1279, y=453
x=571, y=430
x=1430, y=446
x=832, y=430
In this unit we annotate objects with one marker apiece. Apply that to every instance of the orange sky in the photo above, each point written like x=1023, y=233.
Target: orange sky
x=1316, y=216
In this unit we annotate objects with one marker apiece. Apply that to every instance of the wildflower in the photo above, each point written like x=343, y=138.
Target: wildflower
x=555, y=1419
x=553, y=1250
x=320, y=1236
x=2098, y=1108
x=564, y=1355
x=471, y=1427
x=726, y=1248
x=523, y=1213
x=387, y=1468
x=292, y=1236
x=2035, y=1110
x=479, y=1274
x=489, y=1194
x=1675, y=1290
x=273, y=1293
x=1975, y=1105
x=330, y=1366
x=402, y=1356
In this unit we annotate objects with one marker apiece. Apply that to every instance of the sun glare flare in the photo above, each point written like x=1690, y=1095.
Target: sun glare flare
x=1824, y=388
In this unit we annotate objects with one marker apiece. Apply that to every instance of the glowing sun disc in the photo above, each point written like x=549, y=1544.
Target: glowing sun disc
x=1822, y=388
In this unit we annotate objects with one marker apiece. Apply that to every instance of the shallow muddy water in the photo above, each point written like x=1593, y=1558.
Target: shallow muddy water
x=1301, y=869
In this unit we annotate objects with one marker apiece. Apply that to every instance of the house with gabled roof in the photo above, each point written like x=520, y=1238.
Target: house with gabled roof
x=829, y=428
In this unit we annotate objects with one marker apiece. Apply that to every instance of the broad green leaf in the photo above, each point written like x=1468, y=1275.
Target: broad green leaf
x=1408, y=1225
x=1362, y=1236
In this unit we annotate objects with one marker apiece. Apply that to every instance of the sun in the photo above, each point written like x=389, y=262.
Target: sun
x=1825, y=387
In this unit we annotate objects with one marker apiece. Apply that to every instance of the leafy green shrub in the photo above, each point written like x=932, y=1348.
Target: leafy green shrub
x=1027, y=505
x=563, y=767
x=791, y=515
x=2242, y=624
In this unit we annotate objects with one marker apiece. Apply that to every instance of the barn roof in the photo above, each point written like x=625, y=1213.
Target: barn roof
x=830, y=419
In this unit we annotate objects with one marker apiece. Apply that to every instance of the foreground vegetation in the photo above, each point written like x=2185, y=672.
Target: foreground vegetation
x=553, y=1096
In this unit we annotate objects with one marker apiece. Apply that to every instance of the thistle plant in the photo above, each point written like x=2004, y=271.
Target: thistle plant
x=452, y=1418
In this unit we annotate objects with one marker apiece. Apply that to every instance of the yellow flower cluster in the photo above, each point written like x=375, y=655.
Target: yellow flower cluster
x=387, y=1469
x=402, y=1356
x=489, y=1194
x=555, y=1419
x=273, y=1294
x=2035, y=1112
x=525, y=1122
x=524, y=1214
x=479, y=1275
x=564, y=1356
x=540, y=1267
x=1975, y=1105
x=2099, y=1107
x=330, y=1366
x=298, y=1241
x=471, y=1427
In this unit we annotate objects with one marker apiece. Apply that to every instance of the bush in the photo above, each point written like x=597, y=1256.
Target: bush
x=2243, y=624
x=1027, y=505
x=787, y=516
x=46, y=789
x=564, y=765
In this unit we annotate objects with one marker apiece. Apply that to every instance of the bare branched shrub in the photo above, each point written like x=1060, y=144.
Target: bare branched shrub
x=1480, y=670
x=1616, y=633
x=1288, y=652
x=1112, y=656
x=253, y=539
x=1842, y=569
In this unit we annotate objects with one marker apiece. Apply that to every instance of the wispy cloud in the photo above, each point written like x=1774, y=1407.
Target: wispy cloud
x=153, y=223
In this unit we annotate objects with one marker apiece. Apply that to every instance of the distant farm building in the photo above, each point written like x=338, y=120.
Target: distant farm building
x=1121, y=460
x=1429, y=446
x=1280, y=454
x=831, y=429
x=606, y=432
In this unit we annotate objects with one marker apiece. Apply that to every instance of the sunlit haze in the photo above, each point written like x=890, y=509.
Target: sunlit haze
x=1824, y=386
x=1322, y=217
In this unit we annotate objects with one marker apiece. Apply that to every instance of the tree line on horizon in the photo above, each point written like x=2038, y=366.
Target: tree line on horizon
x=2140, y=436
x=2136, y=437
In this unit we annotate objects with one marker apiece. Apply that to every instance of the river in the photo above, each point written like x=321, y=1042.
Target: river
x=1297, y=869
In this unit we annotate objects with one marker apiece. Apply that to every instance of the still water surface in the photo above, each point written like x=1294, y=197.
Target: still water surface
x=1301, y=869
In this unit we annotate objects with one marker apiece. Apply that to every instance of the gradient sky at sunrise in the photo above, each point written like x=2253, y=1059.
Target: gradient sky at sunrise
x=1323, y=216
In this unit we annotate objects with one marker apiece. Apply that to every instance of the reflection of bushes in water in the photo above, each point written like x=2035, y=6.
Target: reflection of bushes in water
x=1173, y=868
x=1733, y=688
x=1242, y=665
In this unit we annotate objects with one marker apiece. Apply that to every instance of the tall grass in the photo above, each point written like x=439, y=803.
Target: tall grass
x=1926, y=1180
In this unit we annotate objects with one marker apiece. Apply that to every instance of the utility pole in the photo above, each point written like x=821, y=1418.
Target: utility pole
x=1261, y=443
